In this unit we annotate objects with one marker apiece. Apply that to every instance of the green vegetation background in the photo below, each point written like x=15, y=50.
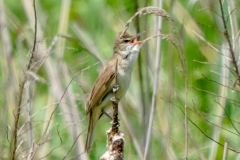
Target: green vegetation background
x=89, y=27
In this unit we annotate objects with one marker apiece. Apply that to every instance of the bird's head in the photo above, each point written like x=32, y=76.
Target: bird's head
x=126, y=44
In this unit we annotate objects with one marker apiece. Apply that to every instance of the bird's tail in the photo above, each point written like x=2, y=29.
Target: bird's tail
x=90, y=132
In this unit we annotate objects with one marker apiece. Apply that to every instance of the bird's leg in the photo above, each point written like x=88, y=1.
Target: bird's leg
x=103, y=112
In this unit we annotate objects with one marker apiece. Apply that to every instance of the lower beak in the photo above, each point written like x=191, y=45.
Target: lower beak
x=137, y=42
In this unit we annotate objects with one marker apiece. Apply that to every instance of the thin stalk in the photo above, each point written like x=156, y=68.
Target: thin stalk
x=225, y=151
x=155, y=86
x=226, y=34
x=17, y=117
x=140, y=75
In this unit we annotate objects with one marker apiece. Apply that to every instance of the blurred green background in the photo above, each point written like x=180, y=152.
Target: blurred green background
x=75, y=39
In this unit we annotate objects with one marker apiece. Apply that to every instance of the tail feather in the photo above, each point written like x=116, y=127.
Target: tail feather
x=90, y=133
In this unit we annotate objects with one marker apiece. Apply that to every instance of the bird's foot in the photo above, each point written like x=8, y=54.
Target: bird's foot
x=115, y=88
x=118, y=124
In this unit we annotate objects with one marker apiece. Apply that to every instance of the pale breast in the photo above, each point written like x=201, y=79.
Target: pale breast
x=123, y=80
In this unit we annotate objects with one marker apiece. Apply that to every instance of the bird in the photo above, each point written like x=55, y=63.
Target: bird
x=117, y=70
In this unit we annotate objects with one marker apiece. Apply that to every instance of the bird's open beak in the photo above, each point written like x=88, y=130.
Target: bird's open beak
x=137, y=42
x=135, y=37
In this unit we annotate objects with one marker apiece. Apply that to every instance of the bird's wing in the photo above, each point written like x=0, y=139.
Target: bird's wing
x=101, y=86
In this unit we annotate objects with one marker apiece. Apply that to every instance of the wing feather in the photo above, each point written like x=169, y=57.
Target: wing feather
x=101, y=87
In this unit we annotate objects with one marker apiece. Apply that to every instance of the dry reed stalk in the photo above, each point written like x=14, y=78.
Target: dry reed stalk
x=176, y=41
x=174, y=38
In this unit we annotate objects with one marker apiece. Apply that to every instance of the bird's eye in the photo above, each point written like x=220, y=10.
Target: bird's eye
x=126, y=41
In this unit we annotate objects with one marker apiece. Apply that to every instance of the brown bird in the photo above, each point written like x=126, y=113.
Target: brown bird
x=125, y=54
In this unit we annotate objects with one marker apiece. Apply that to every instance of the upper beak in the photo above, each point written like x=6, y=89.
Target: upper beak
x=135, y=37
